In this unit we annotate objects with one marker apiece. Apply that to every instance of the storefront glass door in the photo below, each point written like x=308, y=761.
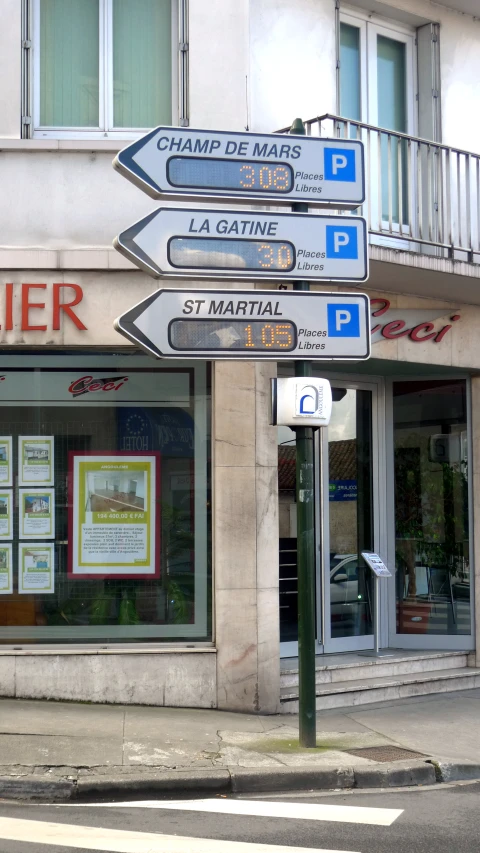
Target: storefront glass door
x=348, y=521
x=432, y=547
x=347, y=507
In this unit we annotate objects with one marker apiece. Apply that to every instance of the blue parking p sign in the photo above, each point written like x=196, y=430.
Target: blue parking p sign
x=343, y=321
x=342, y=242
x=339, y=165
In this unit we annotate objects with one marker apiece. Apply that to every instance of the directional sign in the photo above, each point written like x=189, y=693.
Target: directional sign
x=187, y=163
x=251, y=324
x=226, y=244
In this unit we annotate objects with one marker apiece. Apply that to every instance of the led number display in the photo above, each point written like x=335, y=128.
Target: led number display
x=230, y=174
x=241, y=335
x=225, y=254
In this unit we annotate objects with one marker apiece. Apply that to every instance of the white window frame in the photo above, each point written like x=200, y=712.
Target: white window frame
x=105, y=130
x=369, y=29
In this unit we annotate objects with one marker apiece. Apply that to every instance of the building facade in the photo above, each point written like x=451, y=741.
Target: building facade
x=148, y=533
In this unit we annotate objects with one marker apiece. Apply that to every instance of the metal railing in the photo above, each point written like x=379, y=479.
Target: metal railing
x=422, y=196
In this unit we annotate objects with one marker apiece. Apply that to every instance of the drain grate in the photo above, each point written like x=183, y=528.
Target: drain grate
x=384, y=753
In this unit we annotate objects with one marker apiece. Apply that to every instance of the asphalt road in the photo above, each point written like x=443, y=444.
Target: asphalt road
x=443, y=819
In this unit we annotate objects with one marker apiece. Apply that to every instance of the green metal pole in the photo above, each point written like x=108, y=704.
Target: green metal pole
x=305, y=548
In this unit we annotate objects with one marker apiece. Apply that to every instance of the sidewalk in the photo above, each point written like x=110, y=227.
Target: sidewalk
x=57, y=751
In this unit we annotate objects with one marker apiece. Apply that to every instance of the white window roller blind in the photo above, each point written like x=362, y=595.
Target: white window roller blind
x=69, y=63
x=142, y=66
x=104, y=64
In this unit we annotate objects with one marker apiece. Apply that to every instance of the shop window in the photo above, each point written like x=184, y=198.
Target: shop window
x=432, y=540
x=104, y=500
x=103, y=65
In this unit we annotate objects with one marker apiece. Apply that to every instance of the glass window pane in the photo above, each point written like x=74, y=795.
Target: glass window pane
x=127, y=557
x=69, y=63
x=287, y=508
x=431, y=507
x=350, y=106
x=391, y=84
x=142, y=63
x=392, y=114
x=350, y=512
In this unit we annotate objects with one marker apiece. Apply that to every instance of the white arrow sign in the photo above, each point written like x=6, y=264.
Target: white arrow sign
x=187, y=163
x=225, y=244
x=251, y=324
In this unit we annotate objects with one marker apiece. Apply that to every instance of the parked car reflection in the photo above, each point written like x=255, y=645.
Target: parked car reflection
x=350, y=595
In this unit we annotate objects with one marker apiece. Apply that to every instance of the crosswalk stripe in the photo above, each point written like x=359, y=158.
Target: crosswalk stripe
x=263, y=808
x=123, y=841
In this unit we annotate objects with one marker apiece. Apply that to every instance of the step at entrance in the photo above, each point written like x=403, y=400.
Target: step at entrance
x=354, y=680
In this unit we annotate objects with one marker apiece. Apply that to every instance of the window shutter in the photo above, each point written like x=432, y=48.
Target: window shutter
x=26, y=105
x=428, y=63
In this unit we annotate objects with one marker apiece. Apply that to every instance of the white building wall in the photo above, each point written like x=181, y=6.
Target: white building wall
x=292, y=61
x=65, y=194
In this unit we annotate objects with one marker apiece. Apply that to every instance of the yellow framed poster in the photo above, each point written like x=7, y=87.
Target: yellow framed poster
x=36, y=567
x=114, y=514
x=6, y=519
x=36, y=512
x=35, y=460
x=6, y=571
x=6, y=461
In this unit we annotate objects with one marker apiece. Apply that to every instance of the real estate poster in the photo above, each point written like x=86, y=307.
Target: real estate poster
x=35, y=460
x=6, y=521
x=114, y=515
x=36, y=567
x=36, y=513
x=6, y=572
x=6, y=460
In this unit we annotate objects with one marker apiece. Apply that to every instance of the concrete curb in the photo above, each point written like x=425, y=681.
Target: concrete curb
x=455, y=771
x=43, y=789
x=245, y=780
x=177, y=784
x=395, y=774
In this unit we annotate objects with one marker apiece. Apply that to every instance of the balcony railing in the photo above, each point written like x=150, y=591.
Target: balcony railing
x=422, y=196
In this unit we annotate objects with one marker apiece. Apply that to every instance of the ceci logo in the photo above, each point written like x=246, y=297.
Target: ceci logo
x=87, y=384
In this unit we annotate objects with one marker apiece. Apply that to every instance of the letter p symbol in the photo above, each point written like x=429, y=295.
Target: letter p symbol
x=339, y=164
x=343, y=321
x=342, y=317
x=339, y=161
x=341, y=242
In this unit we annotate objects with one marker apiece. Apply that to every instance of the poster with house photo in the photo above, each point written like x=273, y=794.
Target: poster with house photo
x=6, y=520
x=6, y=571
x=35, y=460
x=36, y=510
x=36, y=567
x=114, y=509
x=6, y=460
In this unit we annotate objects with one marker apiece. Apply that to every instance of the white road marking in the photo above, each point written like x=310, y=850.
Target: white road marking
x=121, y=841
x=257, y=808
